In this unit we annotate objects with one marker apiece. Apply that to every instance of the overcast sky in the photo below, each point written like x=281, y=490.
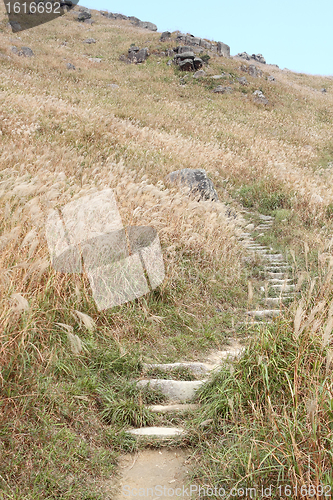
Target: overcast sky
x=295, y=34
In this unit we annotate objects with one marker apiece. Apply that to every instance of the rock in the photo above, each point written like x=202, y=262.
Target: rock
x=173, y=408
x=197, y=62
x=222, y=90
x=137, y=55
x=157, y=432
x=196, y=180
x=244, y=55
x=134, y=20
x=176, y=390
x=199, y=74
x=254, y=71
x=323, y=91
x=186, y=65
x=15, y=26
x=24, y=51
x=89, y=40
x=185, y=55
x=223, y=49
x=260, y=97
x=89, y=21
x=271, y=78
x=165, y=36
x=83, y=15
x=118, y=16
x=95, y=59
x=123, y=58
x=184, y=49
x=192, y=40
x=205, y=44
x=70, y=66
x=147, y=25
x=169, y=63
x=242, y=80
x=217, y=77
x=259, y=57
x=113, y=85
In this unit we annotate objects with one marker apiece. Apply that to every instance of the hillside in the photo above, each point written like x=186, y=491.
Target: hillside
x=77, y=118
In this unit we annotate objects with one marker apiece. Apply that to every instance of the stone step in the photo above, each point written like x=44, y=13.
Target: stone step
x=257, y=247
x=266, y=313
x=179, y=391
x=174, y=408
x=196, y=368
x=161, y=433
x=253, y=323
x=277, y=267
x=278, y=300
x=284, y=288
x=266, y=217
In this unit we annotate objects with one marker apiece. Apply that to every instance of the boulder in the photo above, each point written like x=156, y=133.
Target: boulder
x=165, y=36
x=182, y=49
x=259, y=58
x=192, y=40
x=244, y=55
x=197, y=181
x=254, y=71
x=137, y=55
x=134, y=20
x=23, y=52
x=222, y=90
x=82, y=16
x=146, y=25
x=259, y=97
x=118, y=16
x=186, y=65
x=223, y=49
x=199, y=74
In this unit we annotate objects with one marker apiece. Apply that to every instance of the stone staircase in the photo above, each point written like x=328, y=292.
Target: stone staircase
x=180, y=394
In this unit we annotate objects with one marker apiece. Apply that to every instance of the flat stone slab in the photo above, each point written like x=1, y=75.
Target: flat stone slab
x=277, y=267
x=278, y=300
x=175, y=390
x=276, y=275
x=266, y=217
x=158, y=432
x=194, y=367
x=284, y=288
x=181, y=407
x=274, y=256
x=278, y=281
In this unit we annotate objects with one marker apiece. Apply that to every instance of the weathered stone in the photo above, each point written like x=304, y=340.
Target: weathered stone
x=244, y=55
x=323, y=91
x=254, y=71
x=194, y=367
x=137, y=56
x=271, y=78
x=95, y=59
x=186, y=65
x=147, y=25
x=259, y=57
x=134, y=20
x=158, y=432
x=89, y=21
x=197, y=62
x=82, y=16
x=205, y=44
x=185, y=55
x=165, y=36
x=222, y=90
x=197, y=181
x=173, y=408
x=175, y=390
x=260, y=97
x=15, y=26
x=199, y=74
x=223, y=49
x=70, y=66
x=24, y=51
x=89, y=40
x=192, y=40
x=183, y=49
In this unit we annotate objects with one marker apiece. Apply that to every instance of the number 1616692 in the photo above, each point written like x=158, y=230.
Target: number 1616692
x=33, y=8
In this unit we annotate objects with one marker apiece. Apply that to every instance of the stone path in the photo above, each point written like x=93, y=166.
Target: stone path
x=278, y=291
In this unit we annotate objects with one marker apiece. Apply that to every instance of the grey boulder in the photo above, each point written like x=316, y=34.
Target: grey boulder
x=136, y=55
x=223, y=49
x=197, y=181
x=82, y=16
x=199, y=74
x=222, y=90
x=254, y=71
x=186, y=65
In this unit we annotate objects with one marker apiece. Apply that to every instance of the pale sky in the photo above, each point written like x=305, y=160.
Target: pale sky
x=295, y=34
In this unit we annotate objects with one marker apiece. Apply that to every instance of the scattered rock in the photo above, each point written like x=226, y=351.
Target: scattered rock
x=259, y=97
x=196, y=180
x=199, y=74
x=184, y=55
x=205, y=44
x=83, y=15
x=242, y=80
x=323, y=91
x=244, y=55
x=271, y=78
x=113, y=85
x=95, y=59
x=223, y=49
x=217, y=77
x=137, y=55
x=89, y=40
x=147, y=25
x=24, y=51
x=70, y=66
x=89, y=21
x=165, y=36
x=222, y=90
x=254, y=71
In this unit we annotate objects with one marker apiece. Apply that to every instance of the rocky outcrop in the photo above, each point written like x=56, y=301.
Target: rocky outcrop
x=200, y=186
x=252, y=70
x=83, y=16
x=134, y=20
x=201, y=44
x=259, y=97
x=256, y=57
x=223, y=49
x=187, y=60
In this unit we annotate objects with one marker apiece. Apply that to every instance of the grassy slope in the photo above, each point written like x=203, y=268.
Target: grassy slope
x=54, y=120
